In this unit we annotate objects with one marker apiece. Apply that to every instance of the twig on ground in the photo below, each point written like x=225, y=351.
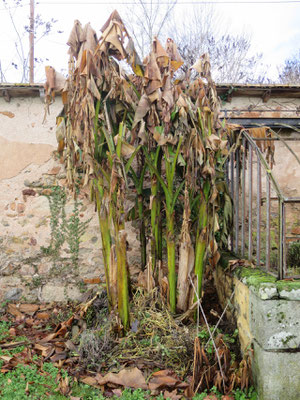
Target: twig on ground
x=209, y=331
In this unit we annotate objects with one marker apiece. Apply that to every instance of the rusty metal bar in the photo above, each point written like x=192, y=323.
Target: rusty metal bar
x=268, y=234
x=236, y=201
x=292, y=200
x=232, y=191
x=284, y=241
x=250, y=243
x=234, y=185
x=286, y=145
x=243, y=197
x=265, y=165
x=226, y=172
x=258, y=202
x=281, y=244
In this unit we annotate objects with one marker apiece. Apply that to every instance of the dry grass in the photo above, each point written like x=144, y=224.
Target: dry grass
x=155, y=339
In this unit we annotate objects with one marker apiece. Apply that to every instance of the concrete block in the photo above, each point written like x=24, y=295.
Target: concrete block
x=276, y=374
x=275, y=323
x=293, y=294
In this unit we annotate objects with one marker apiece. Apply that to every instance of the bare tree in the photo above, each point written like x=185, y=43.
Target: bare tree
x=289, y=73
x=231, y=61
x=42, y=29
x=146, y=19
x=2, y=76
x=200, y=33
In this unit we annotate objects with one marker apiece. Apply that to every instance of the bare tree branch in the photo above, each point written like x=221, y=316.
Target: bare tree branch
x=289, y=73
x=144, y=20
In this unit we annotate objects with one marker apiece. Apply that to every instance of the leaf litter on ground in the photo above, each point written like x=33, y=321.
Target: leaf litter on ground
x=156, y=355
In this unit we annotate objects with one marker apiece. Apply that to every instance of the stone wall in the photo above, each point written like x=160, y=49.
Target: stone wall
x=267, y=313
x=26, y=272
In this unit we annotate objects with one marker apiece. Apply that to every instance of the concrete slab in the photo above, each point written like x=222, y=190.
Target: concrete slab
x=275, y=323
x=277, y=374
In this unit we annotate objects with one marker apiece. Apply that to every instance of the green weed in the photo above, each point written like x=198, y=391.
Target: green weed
x=63, y=228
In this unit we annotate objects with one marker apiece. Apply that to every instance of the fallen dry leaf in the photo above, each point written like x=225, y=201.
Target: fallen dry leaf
x=90, y=380
x=132, y=378
x=43, y=315
x=13, y=310
x=166, y=379
x=45, y=350
x=172, y=395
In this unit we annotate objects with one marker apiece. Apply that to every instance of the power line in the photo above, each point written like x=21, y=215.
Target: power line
x=248, y=2
x=182, y=3
x=11, y=7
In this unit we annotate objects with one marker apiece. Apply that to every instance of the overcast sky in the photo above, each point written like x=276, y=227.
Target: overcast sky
x=274, y=27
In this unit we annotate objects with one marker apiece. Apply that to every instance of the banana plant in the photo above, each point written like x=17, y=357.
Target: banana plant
x=110, y=191
x=155, y=206
x=138, y=181
x=201, y=237
x=171, y=195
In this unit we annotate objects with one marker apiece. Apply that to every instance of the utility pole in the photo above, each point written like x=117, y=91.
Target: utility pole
x=31, y=43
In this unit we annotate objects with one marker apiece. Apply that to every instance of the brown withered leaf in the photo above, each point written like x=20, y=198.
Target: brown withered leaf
x=45, y=350
x=29, y=309
x=172, y=395
x=43, y=316
x=75, y=39
x=142, y=109
x=13, y=310
x=171, y=49
x=166, y=379
x=90, y=380
x=131, y=378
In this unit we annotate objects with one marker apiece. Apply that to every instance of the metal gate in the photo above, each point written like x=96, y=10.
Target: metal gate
x=259, y=234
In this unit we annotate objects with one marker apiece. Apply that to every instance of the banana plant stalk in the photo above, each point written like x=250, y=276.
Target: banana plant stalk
x=114, y=173
x=123, y=279
x=123, y=295
x=139, y=185
x=201, y=237
x=171, y=198
x=156, y=237
x=104, y=223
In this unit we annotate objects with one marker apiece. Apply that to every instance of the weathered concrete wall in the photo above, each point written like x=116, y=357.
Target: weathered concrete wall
x=255, y=107
x=267, y=313
x=24, y=139
x=21, y=119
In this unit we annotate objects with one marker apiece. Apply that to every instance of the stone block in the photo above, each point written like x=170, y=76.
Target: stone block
x=276, y=374
x=292, y=294
x=275, y=323
x=44, y=268
x=59, y=293
x=13, y=294
x=241, y=305
x=27, y=270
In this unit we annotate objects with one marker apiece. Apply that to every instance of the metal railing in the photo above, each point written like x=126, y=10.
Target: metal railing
x=257, y=234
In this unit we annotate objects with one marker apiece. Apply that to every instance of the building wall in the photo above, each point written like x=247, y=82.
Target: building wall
x=24, y=138
x=255, y=107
